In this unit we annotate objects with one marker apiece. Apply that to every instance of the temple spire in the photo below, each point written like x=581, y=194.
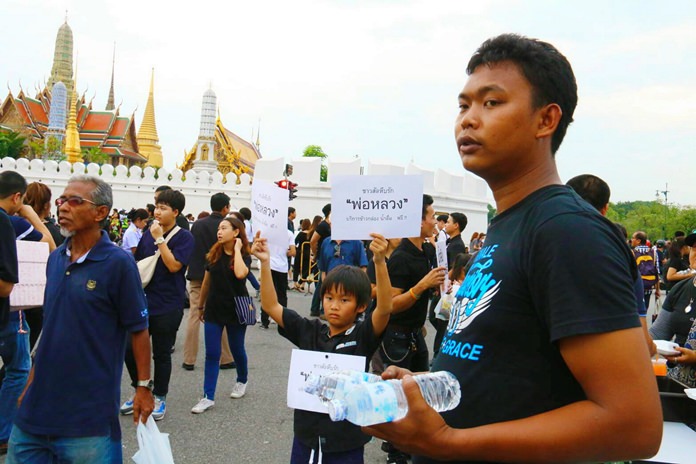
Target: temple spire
x=62, y=70
x=110, y=101
x=147, y=138
x=72, y=136
x=258, y=136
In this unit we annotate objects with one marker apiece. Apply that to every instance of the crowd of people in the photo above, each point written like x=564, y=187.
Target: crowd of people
x=522, y=317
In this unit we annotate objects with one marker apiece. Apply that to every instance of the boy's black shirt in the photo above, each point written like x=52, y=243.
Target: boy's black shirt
x=313, y=335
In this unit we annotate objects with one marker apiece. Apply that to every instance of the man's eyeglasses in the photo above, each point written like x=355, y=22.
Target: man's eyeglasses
x=73, y=201
x=337, y=250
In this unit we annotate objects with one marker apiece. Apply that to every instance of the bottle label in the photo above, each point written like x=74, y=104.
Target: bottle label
x=384, y=402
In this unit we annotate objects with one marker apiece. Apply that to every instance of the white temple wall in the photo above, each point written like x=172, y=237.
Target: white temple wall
x=134, y=187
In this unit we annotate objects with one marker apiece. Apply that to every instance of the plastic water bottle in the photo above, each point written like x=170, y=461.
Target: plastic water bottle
x=378, y=402
x=338, y=384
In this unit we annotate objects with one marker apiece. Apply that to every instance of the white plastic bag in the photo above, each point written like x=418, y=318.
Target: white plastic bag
x=154, y=445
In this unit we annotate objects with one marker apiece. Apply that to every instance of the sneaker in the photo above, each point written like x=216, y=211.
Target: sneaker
x=160, y=408
x=188, y=367
x=203, y=405
x=231, y=365
x=238, y=390
x=263, y=326
x=127, y=407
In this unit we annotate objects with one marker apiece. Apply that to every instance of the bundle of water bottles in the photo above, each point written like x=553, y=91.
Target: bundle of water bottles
x=365, y=399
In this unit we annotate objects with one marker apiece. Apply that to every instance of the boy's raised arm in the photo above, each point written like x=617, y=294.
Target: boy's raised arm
x=380, y=316
x=269, y=299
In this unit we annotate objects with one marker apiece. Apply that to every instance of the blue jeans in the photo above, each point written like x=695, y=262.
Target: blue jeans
x=213, y=336
x=40, y=449
x=252, y=280
x=14, y=350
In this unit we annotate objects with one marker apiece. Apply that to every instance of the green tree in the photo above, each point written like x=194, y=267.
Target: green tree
x=491, y=212
x=95, y=155
x=11, y=144
x=315, y=151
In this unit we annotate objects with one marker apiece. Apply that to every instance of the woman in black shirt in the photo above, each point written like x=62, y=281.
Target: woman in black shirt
x=677, y=268
x=225, y=279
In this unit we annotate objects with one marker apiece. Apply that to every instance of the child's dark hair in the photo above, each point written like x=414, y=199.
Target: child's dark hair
x=352, y=280
x=172, y=198
x=459, y=266
x=545, y=68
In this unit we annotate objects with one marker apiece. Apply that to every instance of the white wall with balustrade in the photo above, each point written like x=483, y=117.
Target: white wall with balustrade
x=134, y=186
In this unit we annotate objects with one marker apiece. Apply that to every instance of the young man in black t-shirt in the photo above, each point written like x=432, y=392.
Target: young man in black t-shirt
x=346, y=294
x=548, y=351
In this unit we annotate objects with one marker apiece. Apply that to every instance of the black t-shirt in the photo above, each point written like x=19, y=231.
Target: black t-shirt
x=535, y=281
x=679, y=264
x=324, y=230
x=407, y=266
x=306, y=334
x=224, y=286
x=8, y=262
x=677, y=300
x=455, y=246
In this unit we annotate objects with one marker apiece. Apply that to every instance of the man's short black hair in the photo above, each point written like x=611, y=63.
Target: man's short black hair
x=150, y=208
x=547, y=70
x=326, y=209
x=442, y=218
x=352, y=280
x=290, y=210
x=246, y=212
x=460, y=219
x=427, y=201
x=162, y=188
x=172, y=198
x=12, y=182
x=219, y=201
x=679, y=233
x=592, y=189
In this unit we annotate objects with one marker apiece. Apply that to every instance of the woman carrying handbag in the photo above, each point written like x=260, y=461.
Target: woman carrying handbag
x=225, y=303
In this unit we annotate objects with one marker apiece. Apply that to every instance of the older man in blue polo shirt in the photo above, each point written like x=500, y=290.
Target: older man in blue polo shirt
x=93, y=299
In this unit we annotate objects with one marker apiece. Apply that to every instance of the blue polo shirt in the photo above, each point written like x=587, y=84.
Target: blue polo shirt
x=351, y=252
x=89, y=307
x=24, y=230
x=167, y=290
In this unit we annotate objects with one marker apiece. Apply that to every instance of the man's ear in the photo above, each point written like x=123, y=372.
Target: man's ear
x=102, y=213
x=549, y=118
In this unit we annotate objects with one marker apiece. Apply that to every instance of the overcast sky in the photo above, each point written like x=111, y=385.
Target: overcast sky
x=379, y=78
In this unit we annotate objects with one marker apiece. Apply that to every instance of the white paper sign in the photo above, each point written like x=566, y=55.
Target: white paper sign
x=29, y=292
x=441, y=254
x=304, y=363
x=389, y=205
x=269, y=212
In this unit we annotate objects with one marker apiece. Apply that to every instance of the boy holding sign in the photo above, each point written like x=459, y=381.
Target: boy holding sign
x=345, y=293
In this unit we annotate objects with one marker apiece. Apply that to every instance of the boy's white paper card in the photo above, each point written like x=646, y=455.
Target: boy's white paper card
x=31, y=260
x=303, y=363
x=388, y=205
x=269, y=212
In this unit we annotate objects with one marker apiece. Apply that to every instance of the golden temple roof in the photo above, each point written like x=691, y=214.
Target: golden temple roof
x=233, y=153
x=72, y=136
x=148, y=140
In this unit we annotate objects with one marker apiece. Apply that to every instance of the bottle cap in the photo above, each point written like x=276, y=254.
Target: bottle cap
x=338, y=410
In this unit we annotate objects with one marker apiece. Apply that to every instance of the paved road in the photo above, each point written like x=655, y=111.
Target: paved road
x=254, y=429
